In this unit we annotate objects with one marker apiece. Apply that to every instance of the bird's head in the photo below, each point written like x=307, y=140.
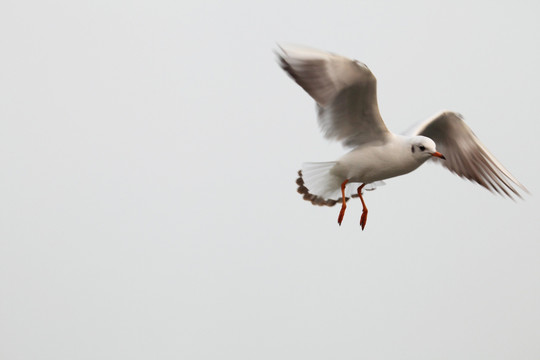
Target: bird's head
x=423, y=148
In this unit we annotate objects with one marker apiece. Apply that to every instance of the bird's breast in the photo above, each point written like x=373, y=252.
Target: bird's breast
x=367, y=164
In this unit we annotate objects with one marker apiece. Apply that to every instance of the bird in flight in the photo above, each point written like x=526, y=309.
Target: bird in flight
x=345, y=92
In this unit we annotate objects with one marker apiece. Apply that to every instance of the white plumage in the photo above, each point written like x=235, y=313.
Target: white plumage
x=346, y=95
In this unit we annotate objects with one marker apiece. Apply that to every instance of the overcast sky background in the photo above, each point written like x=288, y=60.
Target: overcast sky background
x=148, y=210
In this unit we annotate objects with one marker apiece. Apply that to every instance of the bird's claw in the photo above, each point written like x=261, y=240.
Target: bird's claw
x=341, y=215
x=363, y=219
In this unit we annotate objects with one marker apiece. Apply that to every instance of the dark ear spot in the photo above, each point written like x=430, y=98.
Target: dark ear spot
x=412, y=149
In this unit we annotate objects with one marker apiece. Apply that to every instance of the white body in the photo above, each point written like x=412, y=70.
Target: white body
x=381, y=160
x=368, y=164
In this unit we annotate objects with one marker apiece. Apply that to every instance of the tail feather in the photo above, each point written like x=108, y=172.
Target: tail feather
x=315, y=200
x=319, y=186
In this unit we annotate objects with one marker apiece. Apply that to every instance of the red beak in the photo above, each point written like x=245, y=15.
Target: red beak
x=439, y=155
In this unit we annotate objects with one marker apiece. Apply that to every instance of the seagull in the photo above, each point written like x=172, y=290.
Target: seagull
x=345, y=92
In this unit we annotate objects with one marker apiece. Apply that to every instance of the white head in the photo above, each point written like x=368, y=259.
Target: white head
x=423, y=148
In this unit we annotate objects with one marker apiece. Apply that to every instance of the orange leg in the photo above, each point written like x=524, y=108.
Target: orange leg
x=344, y=204
x=363, y=219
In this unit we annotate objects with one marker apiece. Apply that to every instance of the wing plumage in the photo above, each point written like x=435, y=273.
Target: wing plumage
x=345, y=92
x=465, y=154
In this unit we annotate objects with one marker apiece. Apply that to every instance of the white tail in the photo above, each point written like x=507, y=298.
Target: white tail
x=317, y=184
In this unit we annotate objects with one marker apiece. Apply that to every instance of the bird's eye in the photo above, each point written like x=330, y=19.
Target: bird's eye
x=422, y=147
x=412, y=149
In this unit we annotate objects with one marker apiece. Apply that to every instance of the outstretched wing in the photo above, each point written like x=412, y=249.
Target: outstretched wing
x=345, y=91
x=465, y=154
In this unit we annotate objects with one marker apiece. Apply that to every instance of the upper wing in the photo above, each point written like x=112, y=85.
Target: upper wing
x=465, y=154
x=345, y=92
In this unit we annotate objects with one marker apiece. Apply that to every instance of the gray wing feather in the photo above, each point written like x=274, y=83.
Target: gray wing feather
x=465, y=155
x=345, y=92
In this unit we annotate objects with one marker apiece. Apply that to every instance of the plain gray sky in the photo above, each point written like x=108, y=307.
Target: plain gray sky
x=148, y=210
